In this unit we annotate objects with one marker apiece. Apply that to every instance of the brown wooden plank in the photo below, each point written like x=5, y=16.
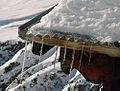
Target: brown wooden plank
x=55, y=41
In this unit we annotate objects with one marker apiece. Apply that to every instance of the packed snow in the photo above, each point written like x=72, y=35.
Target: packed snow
x=97, y=18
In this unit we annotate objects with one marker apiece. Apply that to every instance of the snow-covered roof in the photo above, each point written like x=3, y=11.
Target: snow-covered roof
x=97, y=18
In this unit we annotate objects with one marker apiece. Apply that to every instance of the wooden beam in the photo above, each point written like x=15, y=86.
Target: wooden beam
x=62, y=42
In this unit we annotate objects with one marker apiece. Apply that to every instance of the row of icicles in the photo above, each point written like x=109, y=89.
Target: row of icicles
x=65, y=49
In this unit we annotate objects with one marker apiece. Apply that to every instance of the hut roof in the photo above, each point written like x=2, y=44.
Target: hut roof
x=97, y=18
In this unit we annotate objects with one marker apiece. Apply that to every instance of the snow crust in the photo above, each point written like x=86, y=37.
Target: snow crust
x=97, y=18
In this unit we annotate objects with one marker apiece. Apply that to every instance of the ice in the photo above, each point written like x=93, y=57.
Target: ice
x=96, y=18
x=56, y=56
x=71, y=66
x=90, y=54
x=41, y=49
x=24, y=58
x=31, y=48
x=83, y=45
x=65, y=49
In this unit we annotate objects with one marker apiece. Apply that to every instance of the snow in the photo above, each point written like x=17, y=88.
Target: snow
x=8, y=49
x=47, y=77
x=97, y=18
x=17, y=12
x=41, y=75
x=13, y=14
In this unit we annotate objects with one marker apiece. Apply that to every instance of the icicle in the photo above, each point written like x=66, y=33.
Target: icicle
x=72, y=60
x=73, y=56
x=65, y=50
x=31, y=49
x=90, y=54
x=56, y=55
x=22, y=71
x=41, y=49
x=23, y=64
x=81, y=54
